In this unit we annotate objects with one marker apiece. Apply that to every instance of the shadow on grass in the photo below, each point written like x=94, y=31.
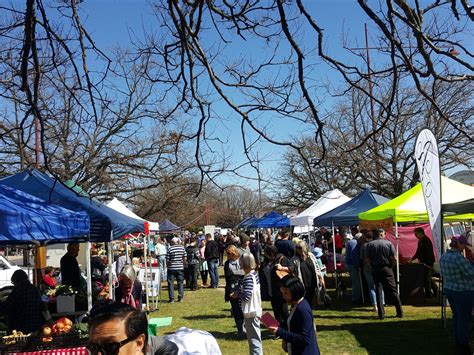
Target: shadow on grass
x=419, y=337
x=227, y=335
x=373, y=317
x=205, y=316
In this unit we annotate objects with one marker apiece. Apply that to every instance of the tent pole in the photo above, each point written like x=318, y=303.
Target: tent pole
x=146, y=271
x=150, y=265
x=127, y=252
x=397, y=256
x=334, y=252
x=111, y=276
x=441, y=291
x=89, y=275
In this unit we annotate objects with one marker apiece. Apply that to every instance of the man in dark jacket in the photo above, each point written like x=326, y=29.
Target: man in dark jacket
x=380, y=258
x=425, y=255
x=285, y=246
x=211, y=253
x=70, y=271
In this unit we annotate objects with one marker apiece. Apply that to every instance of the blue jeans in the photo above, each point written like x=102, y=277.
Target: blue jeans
x=179, y=276
x=214, y=272
x=252, y=328
x=461, y=303
x=371, y=285
x=162, y=265
x=355, y=283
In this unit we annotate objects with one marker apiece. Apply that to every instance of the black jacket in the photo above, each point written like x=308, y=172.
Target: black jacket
x=70, y=272
x=424, y=252
x=212, y=250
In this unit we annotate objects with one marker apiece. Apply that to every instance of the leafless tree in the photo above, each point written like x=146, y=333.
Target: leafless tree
x=351, y=165
x=426, y=43
x=190, y=67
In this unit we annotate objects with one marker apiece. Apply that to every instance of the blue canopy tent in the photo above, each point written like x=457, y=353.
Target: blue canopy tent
x=168, y=227
x=271, y=220
x=347, y=213
x=246, y=222
x=106, y=224
x=26, y=219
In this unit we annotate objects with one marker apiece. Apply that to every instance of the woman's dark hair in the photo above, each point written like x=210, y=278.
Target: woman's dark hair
x=48, y=270
x=295, y=286
x=270, y=251
x=136, y=322
x=19, y=276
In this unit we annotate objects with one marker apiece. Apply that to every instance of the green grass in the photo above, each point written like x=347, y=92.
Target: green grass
x=340, y=329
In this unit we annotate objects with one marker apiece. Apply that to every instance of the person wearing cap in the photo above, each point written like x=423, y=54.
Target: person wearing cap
x=175, y=260
x=244, y=246
x=458, y=281
x=318, y=253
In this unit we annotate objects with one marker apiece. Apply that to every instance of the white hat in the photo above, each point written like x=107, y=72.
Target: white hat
x=175, y=240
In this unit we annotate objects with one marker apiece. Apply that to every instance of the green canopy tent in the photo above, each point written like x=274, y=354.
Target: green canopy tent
x=410, y=206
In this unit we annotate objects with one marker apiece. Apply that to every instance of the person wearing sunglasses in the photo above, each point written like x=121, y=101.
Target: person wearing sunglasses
x=117, y=328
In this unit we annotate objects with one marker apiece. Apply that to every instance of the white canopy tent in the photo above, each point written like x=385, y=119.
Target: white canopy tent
x=153, y=226
x=325, y=203
x=303, y=229
x=120, y=207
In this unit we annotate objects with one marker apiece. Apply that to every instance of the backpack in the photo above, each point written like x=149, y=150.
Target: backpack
x=192, y=255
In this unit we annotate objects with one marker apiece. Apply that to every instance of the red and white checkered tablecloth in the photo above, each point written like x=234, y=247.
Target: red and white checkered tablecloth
x=69, y=351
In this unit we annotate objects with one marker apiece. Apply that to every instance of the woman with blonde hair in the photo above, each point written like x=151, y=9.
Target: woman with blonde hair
x=233, y=276
x=129, y=290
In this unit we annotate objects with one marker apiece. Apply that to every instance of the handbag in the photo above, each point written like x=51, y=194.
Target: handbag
x=253, y=307
x=282, y=273
x=327, y=300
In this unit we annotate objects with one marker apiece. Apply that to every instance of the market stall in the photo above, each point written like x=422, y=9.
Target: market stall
x=106, y=224
x=25, y=219
x=410, y=207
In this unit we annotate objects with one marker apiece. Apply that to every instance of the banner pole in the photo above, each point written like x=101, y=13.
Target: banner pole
x=398, y=261
x=334, y=252
x=89, y=275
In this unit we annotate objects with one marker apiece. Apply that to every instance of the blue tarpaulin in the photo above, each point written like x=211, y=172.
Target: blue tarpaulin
x=246, y=222
x=271, y=220
x=105, y=222
x=168, y=227
x=347, y=213
x=26, y=219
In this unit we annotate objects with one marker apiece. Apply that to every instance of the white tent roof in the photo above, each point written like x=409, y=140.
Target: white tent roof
x=325, y=203
x=120, y=207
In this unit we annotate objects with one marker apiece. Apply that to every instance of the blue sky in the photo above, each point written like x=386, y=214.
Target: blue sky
x=110, y=23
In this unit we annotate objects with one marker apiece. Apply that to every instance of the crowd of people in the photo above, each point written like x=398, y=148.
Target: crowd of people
x=286, y=272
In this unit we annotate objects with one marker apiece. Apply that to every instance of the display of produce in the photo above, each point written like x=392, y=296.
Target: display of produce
x=60, y=290
x=61, y=334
